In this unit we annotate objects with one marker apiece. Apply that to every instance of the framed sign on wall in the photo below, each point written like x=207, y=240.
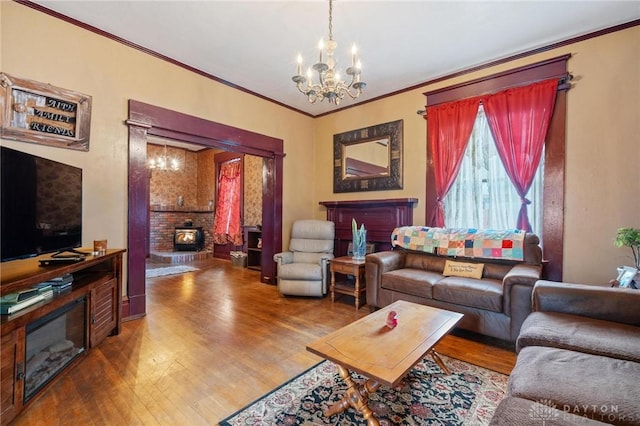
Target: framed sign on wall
x=44, y=114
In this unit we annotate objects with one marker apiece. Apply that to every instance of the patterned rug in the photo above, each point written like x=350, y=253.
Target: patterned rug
x=427, y=396
x=169, y=270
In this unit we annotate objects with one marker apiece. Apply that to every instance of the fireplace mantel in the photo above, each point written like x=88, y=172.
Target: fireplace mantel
x=379, y=217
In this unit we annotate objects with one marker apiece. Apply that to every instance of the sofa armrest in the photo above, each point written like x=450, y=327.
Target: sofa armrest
x=377, y=264
x=605, y=303
x=283, y=258
x=517, y=286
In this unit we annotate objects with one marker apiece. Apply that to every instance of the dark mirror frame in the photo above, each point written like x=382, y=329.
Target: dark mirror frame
x=393, y=131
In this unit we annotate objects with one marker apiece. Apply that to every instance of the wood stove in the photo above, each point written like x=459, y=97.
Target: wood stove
x=188, y=238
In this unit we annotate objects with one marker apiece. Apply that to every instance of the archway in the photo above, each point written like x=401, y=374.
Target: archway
x=144, y=120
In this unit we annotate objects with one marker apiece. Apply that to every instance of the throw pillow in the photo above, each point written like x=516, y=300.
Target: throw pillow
x=462, y=269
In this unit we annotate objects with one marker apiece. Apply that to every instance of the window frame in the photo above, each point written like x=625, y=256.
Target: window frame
x=553, y=196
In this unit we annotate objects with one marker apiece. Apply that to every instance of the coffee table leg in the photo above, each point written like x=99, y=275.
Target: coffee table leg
x=439, y=361
x=355, y=396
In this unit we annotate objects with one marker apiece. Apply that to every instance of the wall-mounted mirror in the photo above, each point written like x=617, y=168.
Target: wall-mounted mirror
x=368, y=159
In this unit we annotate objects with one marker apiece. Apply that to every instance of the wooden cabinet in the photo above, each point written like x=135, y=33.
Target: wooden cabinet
x=11, y=374
x=254, y=248
x=97, y=286
x=104, y=312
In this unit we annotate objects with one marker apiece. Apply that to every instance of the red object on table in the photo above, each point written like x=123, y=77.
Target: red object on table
x=392, y=319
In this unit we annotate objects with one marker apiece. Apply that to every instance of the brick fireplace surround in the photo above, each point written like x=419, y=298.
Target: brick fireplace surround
x=162, y=223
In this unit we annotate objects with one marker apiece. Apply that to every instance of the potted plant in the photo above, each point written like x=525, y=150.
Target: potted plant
x=627, y=276
x=630, y=237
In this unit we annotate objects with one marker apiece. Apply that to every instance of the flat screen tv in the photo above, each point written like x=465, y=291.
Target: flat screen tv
x=41, y=206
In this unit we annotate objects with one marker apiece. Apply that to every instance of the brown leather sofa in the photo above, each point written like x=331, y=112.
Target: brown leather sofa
x=578, y=358
x=494, y=305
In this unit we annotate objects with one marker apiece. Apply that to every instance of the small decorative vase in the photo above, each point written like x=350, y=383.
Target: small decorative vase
x=180, y=200
x=360, y=245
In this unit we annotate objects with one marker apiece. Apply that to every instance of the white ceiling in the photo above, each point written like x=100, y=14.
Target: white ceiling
x=254, y=44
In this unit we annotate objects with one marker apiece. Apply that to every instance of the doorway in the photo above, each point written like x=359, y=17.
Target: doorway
x=145, y=120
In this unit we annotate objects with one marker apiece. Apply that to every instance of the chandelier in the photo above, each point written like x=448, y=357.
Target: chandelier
x=163, y=162
x=330, y=86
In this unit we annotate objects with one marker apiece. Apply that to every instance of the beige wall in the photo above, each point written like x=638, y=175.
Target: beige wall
x=64, y=55
x=602, y=193
x=603, y=149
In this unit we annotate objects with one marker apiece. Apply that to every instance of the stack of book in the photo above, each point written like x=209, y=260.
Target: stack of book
x=57, y=284
x=18, y=300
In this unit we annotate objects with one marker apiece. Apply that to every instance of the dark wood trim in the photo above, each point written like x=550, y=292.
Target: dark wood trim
x=138, y=218
x=553, y=193
x=528, y=74
x=411, y=202
x=144, y=120
x=553, y=202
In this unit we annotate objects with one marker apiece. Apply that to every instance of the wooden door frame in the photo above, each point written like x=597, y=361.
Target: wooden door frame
x=144, y=120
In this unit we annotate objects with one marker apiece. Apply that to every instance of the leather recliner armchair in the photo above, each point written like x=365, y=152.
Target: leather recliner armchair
x=304, y=269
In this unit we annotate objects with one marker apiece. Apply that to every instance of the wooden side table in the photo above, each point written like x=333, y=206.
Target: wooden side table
x=347, y=265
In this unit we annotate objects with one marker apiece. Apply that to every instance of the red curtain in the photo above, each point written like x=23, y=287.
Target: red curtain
x=226, y=225
x=449, y=127
x=519, y=119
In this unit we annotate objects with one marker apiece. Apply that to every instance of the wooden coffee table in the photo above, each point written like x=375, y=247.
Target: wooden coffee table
x=381, y=354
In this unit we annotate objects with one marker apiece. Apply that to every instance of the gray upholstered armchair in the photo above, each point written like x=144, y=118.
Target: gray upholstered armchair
x=303, y=270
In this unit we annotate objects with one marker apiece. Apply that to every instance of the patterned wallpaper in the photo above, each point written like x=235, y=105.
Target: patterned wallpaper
x=252, y=190
x=206, y=188
x=167, y=185
x=195, y=182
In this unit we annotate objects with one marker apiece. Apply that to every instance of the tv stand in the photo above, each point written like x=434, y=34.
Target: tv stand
x=76, y=253
x=96, y=279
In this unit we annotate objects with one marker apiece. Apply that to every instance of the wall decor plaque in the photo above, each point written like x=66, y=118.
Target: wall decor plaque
x=44, y=114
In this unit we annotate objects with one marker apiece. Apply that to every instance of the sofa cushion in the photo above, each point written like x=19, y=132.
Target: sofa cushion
x=596, y=387
x=523, y=412
x=483, y=294
x=582, y=334
x=300, y=271
x=416, y=282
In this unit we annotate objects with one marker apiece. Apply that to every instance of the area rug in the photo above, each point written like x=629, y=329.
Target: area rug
x=427, y=396
x=169, y=270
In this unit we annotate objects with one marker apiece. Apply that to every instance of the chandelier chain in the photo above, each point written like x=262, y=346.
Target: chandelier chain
x=330, y=19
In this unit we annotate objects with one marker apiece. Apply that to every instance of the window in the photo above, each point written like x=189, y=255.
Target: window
x=552, y=203
x=482, y=196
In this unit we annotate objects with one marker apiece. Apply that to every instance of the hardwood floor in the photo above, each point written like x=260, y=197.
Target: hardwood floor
x=213, y=341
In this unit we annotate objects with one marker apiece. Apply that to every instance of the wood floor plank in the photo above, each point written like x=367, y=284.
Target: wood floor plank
x=212, y=341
